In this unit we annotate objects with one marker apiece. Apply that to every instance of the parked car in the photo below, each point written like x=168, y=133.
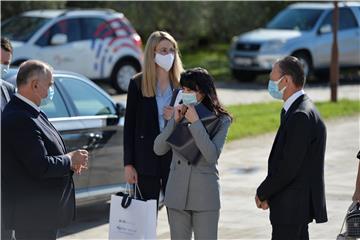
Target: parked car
x=87, y=118
x=303, y=30
x=100, y=44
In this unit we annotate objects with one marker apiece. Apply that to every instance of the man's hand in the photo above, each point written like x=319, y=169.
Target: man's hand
x=261, y=204
x=264, y=205
x=130, y=174
x=79, y=160
x=168, y=112
x=257, y=202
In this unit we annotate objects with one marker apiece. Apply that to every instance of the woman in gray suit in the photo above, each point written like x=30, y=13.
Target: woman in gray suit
x=192, y=192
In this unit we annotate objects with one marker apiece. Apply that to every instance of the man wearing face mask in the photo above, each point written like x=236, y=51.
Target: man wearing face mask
x=7, y=89
x=37, y=187
x=294, y=187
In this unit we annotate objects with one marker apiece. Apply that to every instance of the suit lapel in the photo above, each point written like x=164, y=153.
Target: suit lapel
x=292, y=108
x=156, y=113
x=42, y=120
x=45, y=122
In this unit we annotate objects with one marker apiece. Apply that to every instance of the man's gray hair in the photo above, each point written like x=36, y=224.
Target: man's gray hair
x=31, y=69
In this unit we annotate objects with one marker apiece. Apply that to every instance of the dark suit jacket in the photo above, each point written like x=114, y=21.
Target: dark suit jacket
x=37, y=185
x=7, y=91
x=140, y=130
x=294, y=186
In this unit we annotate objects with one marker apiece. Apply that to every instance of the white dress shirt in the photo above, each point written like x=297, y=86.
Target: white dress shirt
x=292, y=99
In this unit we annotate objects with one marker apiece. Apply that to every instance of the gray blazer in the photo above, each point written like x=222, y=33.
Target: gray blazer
x=194, y=187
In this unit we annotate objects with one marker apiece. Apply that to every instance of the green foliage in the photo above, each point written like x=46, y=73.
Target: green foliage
x=213, y=58
x=253, y=119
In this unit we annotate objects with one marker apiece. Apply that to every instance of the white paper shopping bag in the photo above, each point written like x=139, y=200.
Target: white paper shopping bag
x=137, y=221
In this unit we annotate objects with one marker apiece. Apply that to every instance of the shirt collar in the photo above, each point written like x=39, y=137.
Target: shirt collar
x=27, y=101
x=292, y=99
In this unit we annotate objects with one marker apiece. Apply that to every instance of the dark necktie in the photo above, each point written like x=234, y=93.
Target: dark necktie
x=282, y=116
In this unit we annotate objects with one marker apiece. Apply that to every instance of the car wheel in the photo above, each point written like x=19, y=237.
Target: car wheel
x=122, y=73
x=243, y=76
x=305, y=60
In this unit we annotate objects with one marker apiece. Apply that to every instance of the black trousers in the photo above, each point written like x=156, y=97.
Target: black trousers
x=151, y=186
x=36, y=234
x=288, y=231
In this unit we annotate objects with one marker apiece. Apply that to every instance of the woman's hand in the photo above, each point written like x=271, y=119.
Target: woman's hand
x=130, y=174
x=168, y=112
x=179, y=112
x=191, y=114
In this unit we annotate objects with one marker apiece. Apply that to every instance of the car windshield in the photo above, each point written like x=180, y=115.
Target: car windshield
x=295, y=19
x=21, y=28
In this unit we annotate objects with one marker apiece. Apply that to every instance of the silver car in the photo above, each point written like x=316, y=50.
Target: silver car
x=303, y=30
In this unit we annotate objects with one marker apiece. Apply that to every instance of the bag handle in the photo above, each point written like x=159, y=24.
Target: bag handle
x=352, y=205
x=138, y=189
x=342, y=226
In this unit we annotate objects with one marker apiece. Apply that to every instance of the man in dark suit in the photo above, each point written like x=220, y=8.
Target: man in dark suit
x=37, y=188
x=294, y=186
x=7, y=89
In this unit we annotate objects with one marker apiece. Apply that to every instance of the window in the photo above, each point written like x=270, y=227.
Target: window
x=69, y=27
x=346, y=19
x=96, y=28
x=56, y=108
x=22, y=28
x=296, y=19
x=88, y=101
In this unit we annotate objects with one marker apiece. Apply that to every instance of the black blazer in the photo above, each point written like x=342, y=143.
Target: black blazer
x=140, y=130
x=7, y=91
x=294, y=186
x=37, y=186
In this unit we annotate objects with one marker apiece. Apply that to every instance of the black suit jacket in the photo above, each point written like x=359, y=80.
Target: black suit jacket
x=140, y=130
x=7, y=91
x=294, y=186
x=37, y=185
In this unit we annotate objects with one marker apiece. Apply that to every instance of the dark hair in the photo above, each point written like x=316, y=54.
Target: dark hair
x=198, y=79
x=6, y=45
x=292, y=66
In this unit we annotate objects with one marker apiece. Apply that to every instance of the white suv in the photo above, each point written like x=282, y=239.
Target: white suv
x=100, y=44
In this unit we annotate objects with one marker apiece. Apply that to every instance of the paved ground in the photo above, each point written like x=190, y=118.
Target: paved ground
x=243, y=166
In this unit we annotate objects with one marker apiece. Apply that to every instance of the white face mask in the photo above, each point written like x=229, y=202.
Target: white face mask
x=165, y=61
x=4, y=70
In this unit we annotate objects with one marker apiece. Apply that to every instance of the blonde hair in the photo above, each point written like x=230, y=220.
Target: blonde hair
x=148, y=83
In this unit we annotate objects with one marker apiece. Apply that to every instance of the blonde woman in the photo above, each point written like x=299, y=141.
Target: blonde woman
x=147, y=112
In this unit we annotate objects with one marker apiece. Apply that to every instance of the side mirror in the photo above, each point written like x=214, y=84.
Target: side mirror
x=325, y=29
x=59, y=39
x=120, y=110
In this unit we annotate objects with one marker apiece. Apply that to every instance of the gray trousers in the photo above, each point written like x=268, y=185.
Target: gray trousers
x=182, y=223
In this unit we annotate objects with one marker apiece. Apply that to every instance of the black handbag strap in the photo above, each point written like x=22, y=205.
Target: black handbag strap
x=174, y=96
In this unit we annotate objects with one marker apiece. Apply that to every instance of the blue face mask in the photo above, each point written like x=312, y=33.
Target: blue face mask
x=49, y=97
x=189, y=98
x=273, y=88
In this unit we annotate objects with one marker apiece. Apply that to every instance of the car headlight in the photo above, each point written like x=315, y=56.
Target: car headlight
x=272, y=45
